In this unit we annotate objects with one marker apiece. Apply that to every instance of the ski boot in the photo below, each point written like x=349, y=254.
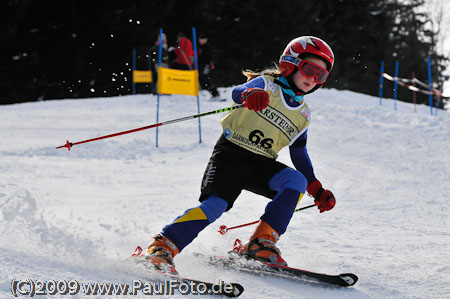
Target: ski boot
x=261, y=246
x=161, y=253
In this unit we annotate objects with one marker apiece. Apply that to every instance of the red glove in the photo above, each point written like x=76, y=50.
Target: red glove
x=323, y=199
x=255, y=99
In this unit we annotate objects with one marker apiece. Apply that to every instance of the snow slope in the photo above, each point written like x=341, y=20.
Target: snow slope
x=79, y=214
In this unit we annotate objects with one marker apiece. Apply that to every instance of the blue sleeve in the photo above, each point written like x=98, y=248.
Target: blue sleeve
x=300, y=158
x=237, y=91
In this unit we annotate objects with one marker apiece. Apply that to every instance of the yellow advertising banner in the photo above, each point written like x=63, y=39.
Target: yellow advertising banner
x=172, y=81
x=142, y=76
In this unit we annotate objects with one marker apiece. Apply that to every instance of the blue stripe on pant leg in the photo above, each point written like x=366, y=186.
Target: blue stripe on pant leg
x=290, y=184
x=186, y=227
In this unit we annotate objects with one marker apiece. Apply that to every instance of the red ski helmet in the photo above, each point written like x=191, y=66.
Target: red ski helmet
x=299, y=47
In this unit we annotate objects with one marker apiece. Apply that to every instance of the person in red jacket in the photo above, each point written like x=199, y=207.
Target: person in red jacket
x=184, y=52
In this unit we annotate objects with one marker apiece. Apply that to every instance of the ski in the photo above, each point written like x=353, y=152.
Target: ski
x=203, y=287
x=185, y=285
x=251, y=266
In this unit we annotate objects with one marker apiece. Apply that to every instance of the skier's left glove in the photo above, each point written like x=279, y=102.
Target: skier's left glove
x=323, y=199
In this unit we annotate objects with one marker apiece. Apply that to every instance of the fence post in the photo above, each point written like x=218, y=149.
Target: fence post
x=414, y=92
x=157, y=91
x=194, y=40
x=381, y=83
x=430, y=87
x=395, y=85
x=439, y=95
x=132, y=71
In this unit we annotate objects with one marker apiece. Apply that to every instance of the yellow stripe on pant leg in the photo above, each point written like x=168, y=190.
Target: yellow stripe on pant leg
x=299, y=198
x=194, y=214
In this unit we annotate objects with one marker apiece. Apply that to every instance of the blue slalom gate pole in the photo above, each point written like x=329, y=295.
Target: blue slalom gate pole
x=430, y=87
x=439, y=96
x=395, y=85
x=194, y=37
x=132, y=71
x=381, y=83
x=157, y=91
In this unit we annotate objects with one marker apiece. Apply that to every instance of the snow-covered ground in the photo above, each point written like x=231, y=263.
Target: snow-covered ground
x=78, y=215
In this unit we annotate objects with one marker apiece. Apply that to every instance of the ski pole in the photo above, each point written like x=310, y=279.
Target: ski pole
x=69, y=145
x=223, y=229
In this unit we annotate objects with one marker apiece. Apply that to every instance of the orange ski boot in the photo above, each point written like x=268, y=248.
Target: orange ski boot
x=161, y=253
x=262, y=246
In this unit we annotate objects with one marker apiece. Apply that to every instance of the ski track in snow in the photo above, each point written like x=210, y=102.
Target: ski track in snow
x=79, y=214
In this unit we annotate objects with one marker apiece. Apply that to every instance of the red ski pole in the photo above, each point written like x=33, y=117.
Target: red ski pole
x=69, y=145
x=223, y=229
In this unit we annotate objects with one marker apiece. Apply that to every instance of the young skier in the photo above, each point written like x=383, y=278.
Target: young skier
x=245, y=156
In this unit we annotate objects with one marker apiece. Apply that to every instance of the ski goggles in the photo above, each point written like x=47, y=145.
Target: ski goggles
x=310, y=69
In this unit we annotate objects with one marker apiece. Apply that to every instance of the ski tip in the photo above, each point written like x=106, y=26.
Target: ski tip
x=349, y=278
x=237, y=290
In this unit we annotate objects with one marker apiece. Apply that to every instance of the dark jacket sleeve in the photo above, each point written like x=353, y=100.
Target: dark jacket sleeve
x=238, y=90
x=300, y=158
